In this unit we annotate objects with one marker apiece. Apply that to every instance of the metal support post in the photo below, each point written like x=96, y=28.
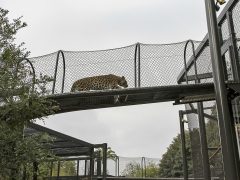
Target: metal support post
x=184, y=153
x=203, y=140
x=99, y=163
x=51, y=169
x=230, y=158
x=85, y=168
x=233, y=50
x=139, y=65
x=77, y=168
x=104, y=161
x=92, y=164
x=58, y=170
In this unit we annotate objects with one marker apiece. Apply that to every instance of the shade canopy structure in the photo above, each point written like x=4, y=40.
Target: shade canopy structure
x=62, y=145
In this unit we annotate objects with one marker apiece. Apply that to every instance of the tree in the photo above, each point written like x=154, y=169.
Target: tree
x=67, y=168
x=171, y=164
x=20, y=104
x=111, y=154
x=134, y=169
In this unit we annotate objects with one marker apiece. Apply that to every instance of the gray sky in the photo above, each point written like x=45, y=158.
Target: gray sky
x=143, y=130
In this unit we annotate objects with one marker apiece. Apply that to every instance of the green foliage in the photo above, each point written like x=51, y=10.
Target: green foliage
x=134, y=169
x=110, y=153
x=20, y=103
x=171, y=164
x=67, y=168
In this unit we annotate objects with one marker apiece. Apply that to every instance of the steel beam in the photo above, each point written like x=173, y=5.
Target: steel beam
x=104, y=161
x=203, y=140
x=184, y=153
x=230, y=158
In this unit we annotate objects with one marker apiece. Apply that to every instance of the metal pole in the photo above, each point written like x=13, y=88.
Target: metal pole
x=230, y=159
x=203, y=140
x=145, y=168
x=51, y=169
x=58, y=170
x=85, y=168
x=99, y=163
x=118, y=166
x=233, y=48
x=77, y=169
x=139, y=66
x=184, y=153
x=225, y=73
x=104, y=161
x=135, y=65
x=142, y=166
x=92, y=164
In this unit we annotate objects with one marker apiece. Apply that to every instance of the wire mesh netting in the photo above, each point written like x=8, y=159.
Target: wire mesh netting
x=160, y=64
x=141, y=64
x=121, y=167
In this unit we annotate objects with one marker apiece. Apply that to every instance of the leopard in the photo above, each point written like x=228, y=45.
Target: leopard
x=101, y=82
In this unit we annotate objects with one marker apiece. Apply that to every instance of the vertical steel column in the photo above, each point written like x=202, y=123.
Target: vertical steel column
x=118, y=166
x=230, y=160
x=203, y=140
x=58, y=170
x=92, y=163
x=184, y=153
x=77, y=168
x=51, y=169
x=233, y=48
x=99, y=163
x=225, y=73
x=104, y=161
x=145, y=168
x=85, y=168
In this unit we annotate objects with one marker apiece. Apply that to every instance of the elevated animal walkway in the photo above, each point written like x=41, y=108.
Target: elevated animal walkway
x=103, y=99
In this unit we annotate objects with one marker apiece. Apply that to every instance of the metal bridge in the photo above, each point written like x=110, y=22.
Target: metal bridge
x=152, y=72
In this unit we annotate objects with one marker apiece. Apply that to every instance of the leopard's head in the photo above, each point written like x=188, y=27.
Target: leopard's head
x=122, y=82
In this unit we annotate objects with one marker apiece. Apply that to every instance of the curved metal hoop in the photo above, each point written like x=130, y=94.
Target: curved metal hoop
x=185, y=61
x=135, y=65
x=34, y=74
x=56, y=68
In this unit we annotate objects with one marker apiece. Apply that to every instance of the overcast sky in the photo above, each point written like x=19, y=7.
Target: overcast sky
x=133, y=131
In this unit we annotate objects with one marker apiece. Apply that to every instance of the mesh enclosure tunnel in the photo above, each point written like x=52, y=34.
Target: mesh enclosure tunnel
x=144, y=65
